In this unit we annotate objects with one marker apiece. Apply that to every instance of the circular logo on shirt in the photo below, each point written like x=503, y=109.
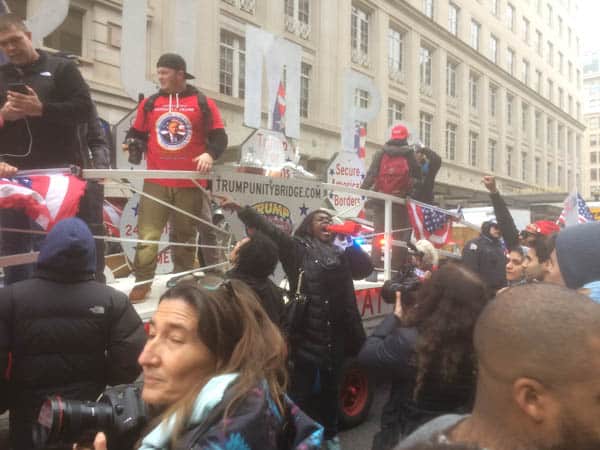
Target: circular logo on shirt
x=173, y=131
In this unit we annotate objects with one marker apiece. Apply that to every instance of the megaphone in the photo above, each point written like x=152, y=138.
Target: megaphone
x=348, y=227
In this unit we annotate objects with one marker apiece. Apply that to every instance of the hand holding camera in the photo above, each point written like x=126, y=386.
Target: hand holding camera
x=136, y=148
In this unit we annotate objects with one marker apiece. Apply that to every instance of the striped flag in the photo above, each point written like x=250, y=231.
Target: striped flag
x=360, y=140
x=575, y=211
x=279, y=109
x=433, y=224
x=46, y=199
x=111, y=217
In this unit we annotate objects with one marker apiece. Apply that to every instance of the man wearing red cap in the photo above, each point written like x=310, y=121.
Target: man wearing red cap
x=394, y=170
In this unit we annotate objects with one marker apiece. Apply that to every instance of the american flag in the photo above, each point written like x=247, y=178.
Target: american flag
x=46, y=199
x=360, y=140
x=430, y=223
x=111, y=216
x=575, y=211
x=279, y=109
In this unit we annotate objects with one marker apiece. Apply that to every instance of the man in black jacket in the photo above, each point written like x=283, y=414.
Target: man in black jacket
x=485, y=256
x=68, y=334
x=39, y=125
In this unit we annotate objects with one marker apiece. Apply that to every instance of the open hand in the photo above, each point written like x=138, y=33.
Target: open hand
x=227, y=202
x=204, y=162
x=28, y=104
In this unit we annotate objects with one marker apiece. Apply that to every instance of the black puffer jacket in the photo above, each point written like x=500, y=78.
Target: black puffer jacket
x=67, y=104
x=485, y=256
x=332, y=325
x=68, y=334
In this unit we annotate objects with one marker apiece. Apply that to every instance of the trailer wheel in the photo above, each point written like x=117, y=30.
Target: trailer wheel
x=356, y=394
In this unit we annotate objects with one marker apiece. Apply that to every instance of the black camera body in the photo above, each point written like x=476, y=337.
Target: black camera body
x=404, y=282
x=136, y=148
x=119, y=412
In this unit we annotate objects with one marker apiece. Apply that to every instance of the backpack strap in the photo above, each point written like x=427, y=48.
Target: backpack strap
x=202, y=104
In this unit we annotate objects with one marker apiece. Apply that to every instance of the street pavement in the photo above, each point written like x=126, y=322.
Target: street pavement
x=359, y=438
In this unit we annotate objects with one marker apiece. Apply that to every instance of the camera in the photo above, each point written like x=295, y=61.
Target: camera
x=119, y=412
x=404, y=282
x=136, y=148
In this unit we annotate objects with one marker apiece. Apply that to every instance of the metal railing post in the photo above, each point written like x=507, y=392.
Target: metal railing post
x=387, y=236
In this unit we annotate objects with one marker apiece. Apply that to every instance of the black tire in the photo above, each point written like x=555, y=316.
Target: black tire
x=356, y=394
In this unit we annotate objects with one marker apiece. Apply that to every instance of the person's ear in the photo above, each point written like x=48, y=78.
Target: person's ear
x=533, y=399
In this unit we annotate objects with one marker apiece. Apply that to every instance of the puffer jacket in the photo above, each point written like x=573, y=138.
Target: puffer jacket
x=332, y=327
x=68, y=334
x=485, y=256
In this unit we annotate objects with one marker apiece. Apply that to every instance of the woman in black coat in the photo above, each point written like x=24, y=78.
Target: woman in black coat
x=331, y=327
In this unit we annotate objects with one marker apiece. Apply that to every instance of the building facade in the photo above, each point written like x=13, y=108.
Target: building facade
x=492, y=85
x=591, y=146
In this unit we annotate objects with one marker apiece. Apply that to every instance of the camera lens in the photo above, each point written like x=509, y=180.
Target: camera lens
x=135, y=154
x=67, y=421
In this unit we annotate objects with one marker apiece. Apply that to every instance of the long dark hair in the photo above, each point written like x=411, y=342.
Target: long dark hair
x=305, y=228
x=241, y=337
x=446, y=309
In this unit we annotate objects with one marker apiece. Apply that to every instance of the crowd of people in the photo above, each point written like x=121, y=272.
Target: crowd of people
x=497, y=351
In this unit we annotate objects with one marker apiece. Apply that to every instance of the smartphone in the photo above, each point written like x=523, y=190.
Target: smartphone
x=21, y=88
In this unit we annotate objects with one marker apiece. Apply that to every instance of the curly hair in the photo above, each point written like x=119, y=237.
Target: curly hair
x=305, y=228
x=447, y=307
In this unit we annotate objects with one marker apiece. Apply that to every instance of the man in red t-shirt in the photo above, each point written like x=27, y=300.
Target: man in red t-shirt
x=181, y=130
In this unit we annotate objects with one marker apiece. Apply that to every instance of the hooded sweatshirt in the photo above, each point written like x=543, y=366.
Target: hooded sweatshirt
x=578, y=253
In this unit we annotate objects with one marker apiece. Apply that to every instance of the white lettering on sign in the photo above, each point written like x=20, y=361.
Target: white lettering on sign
x=276, y=53
x=47, y=17
x=352, y=112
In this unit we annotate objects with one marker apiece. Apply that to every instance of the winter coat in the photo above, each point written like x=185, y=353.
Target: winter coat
x=485, y=256
x=67, y=104
x=506, y=223
x=423, y=190
x=391, y=350
x=68, y=334
x=256, y=424
x=332, y=324
x=269, y=295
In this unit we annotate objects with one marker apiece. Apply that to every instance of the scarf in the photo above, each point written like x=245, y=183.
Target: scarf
x=208, y=398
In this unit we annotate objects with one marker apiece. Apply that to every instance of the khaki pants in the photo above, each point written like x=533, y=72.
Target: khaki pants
x=152, y=218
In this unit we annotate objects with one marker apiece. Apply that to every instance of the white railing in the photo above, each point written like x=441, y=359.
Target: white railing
x=360, y=57
x=297, y=27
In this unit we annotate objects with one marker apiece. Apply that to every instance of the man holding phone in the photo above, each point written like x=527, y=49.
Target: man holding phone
x=43, y=101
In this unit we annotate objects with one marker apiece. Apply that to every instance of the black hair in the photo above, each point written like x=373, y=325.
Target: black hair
x=541, y=246
x=305, y=228
x=258, y=257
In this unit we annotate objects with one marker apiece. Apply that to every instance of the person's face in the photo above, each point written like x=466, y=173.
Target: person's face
x=17, y=46
x=174, y=361
x=235, y=253
x=420, y=157
x=170, y=80
x=319, y=227
x=495, y=232
x=173, y=127
x=531, y=264
x=514, y=266
x=552, y=271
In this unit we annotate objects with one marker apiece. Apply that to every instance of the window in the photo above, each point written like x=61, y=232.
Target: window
x=549, y=15
x=494, y=48
x=492, y=155
x=561, y=98
x=549, y=174
x=428, y=8
x=510, y=61
x=425, y=125
x=298, y=9
x=593, y=141
x=451, y=141
x=549, y=132
x=561, y=62
x=305, y=73
x=453, y=11
x=523, y=165
x=570, y=35
x=570, y=104
x=395, y=50
x=538, y=81
x=473, y=140
x=593, y=174
x=524, y=117
x=560, y=26
x=526, y=30
x=510, y=17
x=425, y=66
x=493, y=100
x=494, y=7
x=559, y=180
x=538, y=171
x=475, y=30
x=361, y=98
x=473, y=90
x=68, y=37
x=539, y=7
x=360, y=31
x=395, y=111
x=538, y=43
x=509, y=109
x=570, y=72
x=509, y=153
x=550, y=53
x=538, y=125
x=451, y=68
x=232, y=65
x=525, y=75
x=550, y=90
x=593, y=157
x=594, y=122
x=578, y=79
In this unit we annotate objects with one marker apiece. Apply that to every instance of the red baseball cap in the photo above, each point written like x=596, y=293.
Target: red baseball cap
x=543, y=227
x=399, y=132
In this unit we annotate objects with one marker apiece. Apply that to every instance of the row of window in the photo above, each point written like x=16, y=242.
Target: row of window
x=594, y=157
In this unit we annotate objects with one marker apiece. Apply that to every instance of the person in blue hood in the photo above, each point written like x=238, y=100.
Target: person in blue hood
x=66, y=333
x=485, y=256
